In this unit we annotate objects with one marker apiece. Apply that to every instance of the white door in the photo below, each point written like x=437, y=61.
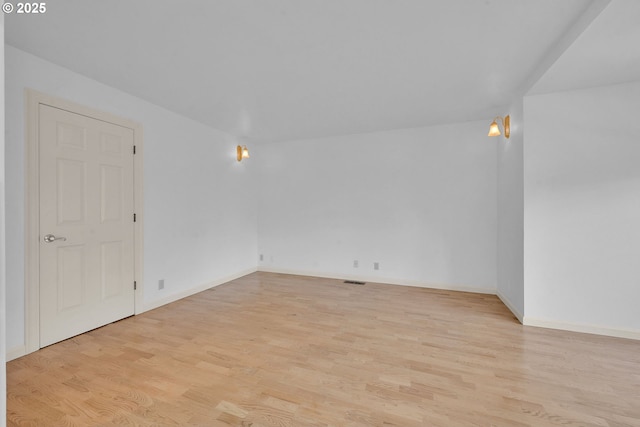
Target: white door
x=86, y=205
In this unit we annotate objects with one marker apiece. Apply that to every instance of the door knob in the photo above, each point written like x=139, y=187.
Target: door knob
x=49, y=238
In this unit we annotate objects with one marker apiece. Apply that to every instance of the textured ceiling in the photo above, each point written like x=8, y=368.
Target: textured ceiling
x=269, y=70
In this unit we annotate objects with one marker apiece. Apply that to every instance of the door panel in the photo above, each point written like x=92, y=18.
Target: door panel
x=71, y=276
x=111, y=269
x=110, y=193
x=86, y=197
x=71, y=202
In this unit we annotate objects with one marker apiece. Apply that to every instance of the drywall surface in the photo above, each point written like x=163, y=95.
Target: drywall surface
x=199, y=202
x=582, y=209
x=420, y=202
x=3, y=314
x=511, y=213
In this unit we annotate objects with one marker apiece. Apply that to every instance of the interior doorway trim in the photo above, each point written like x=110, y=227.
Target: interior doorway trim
x=33, y=100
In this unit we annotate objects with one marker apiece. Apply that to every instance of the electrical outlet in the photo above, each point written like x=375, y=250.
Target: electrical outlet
x=161, y=284
x=261, y=257
x=355, y=263
x=376, y=266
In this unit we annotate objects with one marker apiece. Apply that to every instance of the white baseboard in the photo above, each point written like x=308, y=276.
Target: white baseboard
x=510, y=306
x=577, y=327
x=15, y=352
x=191, y=291
x=384, y=280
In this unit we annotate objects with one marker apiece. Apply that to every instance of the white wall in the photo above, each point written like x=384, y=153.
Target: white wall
x=511, y=213
x=421, y=202
x=582, y=209
x=3, y=315
x=199, y=202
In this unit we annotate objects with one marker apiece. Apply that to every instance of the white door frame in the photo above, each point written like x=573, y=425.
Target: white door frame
x=33, y=99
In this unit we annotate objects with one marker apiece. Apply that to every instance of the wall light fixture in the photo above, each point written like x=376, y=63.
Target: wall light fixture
x=494, y=130
x=242, y=152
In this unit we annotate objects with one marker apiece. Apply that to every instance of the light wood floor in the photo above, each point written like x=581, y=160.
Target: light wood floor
x=278, y=350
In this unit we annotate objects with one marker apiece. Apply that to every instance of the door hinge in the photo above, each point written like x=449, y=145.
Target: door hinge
x=134, y=217
x=135, y=285
x=134, y=149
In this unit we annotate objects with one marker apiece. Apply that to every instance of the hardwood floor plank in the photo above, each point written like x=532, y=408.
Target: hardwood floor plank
x=279, y=350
